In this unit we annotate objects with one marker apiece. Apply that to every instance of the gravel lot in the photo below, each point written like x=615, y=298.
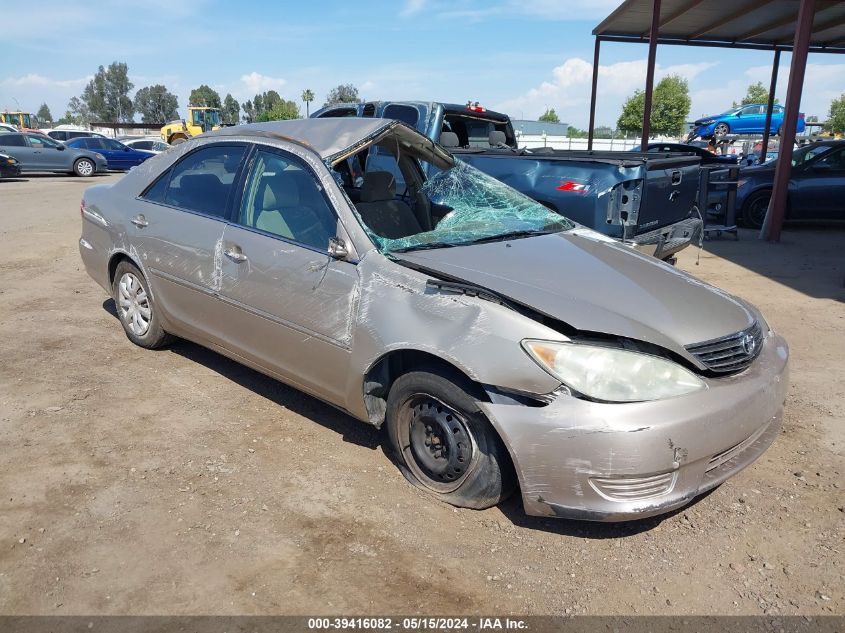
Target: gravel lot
x=178, y=482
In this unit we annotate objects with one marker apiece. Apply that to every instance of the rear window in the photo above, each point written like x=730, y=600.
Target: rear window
x=407, y=114
x=473, y=132
x=12, y=140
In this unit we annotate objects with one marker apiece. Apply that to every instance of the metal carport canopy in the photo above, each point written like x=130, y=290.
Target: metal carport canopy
x=801, y=26
x=752, y=24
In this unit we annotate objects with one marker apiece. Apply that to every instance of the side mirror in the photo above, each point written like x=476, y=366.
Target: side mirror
x=61, y=148
x=337, y=248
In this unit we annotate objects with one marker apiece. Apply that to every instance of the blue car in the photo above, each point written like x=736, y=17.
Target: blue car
x=119, y=156
x=746, y=119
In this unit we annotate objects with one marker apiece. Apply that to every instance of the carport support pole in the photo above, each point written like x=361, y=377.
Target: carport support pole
x=649, y=75
x=771, y=104
x=591, y=131
x=773, y=223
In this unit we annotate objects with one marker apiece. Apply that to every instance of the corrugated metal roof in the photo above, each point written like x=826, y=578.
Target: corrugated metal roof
x=734, y=23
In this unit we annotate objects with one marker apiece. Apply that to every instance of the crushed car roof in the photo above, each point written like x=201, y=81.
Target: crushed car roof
x=327, y=137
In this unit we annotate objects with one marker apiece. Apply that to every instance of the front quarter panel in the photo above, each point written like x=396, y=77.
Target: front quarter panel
x=398, y=310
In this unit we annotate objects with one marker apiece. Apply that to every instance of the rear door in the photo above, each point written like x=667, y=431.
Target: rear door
x=16, y=145
x=176, y=227
x=290, y=303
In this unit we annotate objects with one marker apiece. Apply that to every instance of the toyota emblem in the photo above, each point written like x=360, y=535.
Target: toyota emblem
x=749, y=344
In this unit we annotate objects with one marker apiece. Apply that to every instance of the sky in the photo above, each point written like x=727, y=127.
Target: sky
x=516, y=56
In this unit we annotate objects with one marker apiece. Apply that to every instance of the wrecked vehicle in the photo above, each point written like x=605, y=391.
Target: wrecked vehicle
x=498, y=343
x=648, y=202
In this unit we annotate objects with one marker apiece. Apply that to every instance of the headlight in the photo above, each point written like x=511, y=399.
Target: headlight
x=708, y=122
x=610, y=374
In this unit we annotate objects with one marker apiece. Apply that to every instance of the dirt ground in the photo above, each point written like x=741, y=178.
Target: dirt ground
x=178, y=482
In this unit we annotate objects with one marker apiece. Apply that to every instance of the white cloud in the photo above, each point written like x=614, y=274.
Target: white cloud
x=568, y=90
x=559, y=10
x=254, y=83
x=29, y=91
x=412, y=7
x=33, y=79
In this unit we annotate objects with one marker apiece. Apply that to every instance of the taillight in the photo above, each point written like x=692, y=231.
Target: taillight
x=576, y=187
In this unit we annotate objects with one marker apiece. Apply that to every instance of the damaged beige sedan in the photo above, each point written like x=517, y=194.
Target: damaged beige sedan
x=500, y=345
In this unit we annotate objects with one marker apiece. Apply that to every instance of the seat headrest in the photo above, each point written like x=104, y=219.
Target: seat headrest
x=280, y=191
x=496, y=138
x=449, y=139
x=378, y=186
x=198, y=182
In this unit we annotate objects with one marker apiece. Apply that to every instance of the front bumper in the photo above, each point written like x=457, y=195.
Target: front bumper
x=586, y=460
x=664, y=242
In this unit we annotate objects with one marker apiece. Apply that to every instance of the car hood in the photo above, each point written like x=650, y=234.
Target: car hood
x=594, y=286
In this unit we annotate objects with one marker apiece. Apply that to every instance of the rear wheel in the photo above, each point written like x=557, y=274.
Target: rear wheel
x=755, y=208
x=721, y=129
x=135, y=307
x=84, y=167
x=443, y=442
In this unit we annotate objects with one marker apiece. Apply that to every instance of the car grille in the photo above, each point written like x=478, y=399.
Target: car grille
x=730, y=353
x=633, y=488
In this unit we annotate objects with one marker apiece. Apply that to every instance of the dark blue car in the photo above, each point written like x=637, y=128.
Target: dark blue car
x=119, y=156
x=746, y=119
x=816, y=186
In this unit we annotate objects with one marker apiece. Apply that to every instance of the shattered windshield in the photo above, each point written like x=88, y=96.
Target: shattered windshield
x=477, y=208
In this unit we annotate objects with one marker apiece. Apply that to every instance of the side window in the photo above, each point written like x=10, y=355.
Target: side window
x=202, y=181
x=12, y=140
x=407, y=114
x=282, y=197
x=39, y=142
x=835, y=159
x=143, y=145
x=380, y=159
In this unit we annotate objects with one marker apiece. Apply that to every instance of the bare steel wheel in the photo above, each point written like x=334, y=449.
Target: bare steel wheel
x=721, y=129
x=133, y=304
x=436, y=443
x=442, y=441
x=136, y=308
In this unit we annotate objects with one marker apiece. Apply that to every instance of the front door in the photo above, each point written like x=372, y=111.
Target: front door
x=819, y=192
x=292, y=304
x=46, y=151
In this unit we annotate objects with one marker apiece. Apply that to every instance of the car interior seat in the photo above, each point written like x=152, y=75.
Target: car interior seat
x=381, y=211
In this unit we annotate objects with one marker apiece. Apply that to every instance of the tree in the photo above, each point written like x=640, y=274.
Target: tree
x=307, y=98
x=231, y=110
x=549, y=116
x=107, y=94
x=756, y=93
x=836, y=117
x=344, y=93
x=156, y=104
x=44, y=114
x=281, y=111
x=77, y=113
x=670, y=107
x=249, y=112
x=204, y=96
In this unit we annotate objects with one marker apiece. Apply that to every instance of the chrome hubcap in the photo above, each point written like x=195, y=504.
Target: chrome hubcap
x=134, y=305
x=85, y=168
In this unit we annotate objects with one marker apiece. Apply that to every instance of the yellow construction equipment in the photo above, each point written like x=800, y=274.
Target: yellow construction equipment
x=24, y=121
x=200, y=119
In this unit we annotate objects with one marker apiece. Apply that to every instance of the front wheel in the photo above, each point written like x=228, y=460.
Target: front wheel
x=444, y=443
x=721, y=129
x=84, y=167
x=755, y=208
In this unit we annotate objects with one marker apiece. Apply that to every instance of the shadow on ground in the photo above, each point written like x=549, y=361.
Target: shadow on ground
x=810, y=260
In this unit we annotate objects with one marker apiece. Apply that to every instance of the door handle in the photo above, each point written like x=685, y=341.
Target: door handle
x=140, y=221
x=235, y=254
